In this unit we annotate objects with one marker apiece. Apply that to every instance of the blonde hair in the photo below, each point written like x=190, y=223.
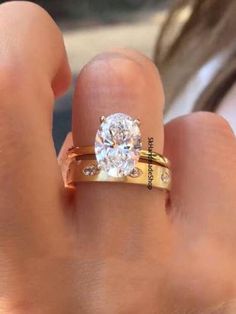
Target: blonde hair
x=193, y=33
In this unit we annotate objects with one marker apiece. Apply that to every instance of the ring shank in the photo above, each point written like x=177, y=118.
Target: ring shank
x=144, y=155
x=151, y=175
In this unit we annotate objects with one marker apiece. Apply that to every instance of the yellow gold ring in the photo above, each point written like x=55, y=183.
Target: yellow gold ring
x=145, y=155
x=117, y=156
x=151, y=176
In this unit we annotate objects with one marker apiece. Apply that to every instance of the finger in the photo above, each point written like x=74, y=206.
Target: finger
x=23, y=50
x=31, y=74
x=110, y=79
x=202, y=149
x=68, y=143
x=119, y=81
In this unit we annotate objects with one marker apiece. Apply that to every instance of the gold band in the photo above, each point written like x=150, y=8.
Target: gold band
x=80, y=165
x=149, y=175
x=117, y=157
x=77, y=152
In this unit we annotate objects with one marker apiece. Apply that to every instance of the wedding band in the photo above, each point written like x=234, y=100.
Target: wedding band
x=117, y=156
x=152, y=176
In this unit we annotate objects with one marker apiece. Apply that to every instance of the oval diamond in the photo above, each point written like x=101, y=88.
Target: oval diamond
x=118, y=144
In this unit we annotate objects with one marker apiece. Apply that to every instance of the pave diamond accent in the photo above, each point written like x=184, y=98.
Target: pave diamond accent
x=118, y=144
x=90, y=170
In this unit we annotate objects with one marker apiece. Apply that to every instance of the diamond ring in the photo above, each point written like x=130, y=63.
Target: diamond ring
x=117, y=156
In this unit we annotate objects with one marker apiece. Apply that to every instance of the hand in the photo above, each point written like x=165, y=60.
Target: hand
x=113, y=248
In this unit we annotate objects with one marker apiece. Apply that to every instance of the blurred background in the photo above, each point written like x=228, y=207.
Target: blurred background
x=93, y=26
x=191, y=41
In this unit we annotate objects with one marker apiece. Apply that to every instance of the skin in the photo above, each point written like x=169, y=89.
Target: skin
x=108, y=248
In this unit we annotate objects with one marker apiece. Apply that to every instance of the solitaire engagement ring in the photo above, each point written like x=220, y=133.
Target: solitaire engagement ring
x=117, y=157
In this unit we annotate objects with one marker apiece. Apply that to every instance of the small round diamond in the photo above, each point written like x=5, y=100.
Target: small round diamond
x=90, y=170
x=165, y=177
x=135, y=173
x=118, y=144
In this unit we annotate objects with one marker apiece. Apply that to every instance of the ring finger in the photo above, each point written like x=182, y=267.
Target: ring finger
x=122, y=228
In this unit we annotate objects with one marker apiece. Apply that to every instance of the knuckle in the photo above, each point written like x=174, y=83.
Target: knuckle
x=23, y=6
x=130, y=61
x=125, y=68
x=111, y=70
x=29, y=22
x=140, y=58
x=23, y=25
x=114, y=63
x=202, y=128
x=209, y=122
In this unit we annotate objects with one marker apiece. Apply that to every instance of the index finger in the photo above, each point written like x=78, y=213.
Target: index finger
x=33, y=69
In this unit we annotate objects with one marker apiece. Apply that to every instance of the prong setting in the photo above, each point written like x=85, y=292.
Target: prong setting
x=102, y=119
